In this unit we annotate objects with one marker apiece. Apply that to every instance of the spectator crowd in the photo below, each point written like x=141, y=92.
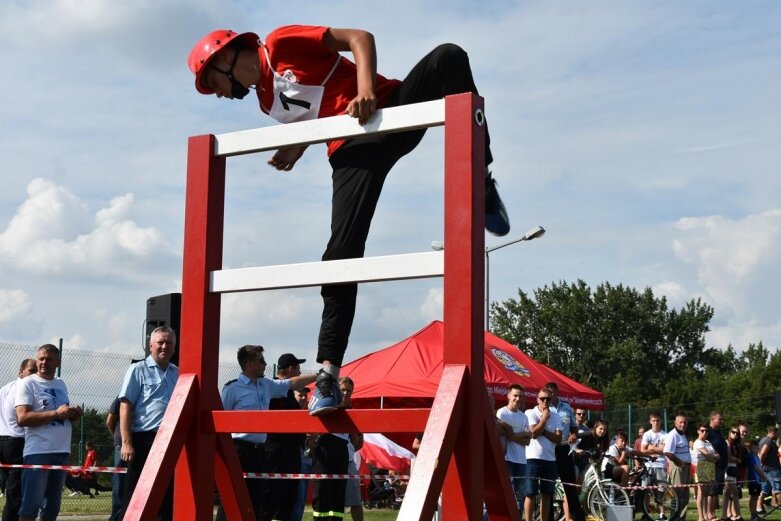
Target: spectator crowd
x=36, y=423
x=551, y=442
x=545, y=443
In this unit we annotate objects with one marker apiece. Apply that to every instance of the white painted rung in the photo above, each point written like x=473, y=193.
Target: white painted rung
x=367, y=269
x=394, y=119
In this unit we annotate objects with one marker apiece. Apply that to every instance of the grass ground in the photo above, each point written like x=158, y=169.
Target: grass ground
x=82, y=508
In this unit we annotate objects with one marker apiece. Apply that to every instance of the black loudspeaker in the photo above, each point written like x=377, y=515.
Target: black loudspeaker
x=163, y=310
x=777, y=395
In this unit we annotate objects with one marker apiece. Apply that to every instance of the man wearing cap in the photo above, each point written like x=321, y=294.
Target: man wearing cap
x=298, y=74
x=251, y=391
x=283, y=451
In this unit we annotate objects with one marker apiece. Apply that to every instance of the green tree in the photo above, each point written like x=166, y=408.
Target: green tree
x=92, y=427
x=625, y=342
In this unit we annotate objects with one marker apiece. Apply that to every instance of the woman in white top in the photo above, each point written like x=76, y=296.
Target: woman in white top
x=705, y=461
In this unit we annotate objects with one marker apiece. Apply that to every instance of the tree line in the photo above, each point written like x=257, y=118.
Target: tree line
x=636, y=349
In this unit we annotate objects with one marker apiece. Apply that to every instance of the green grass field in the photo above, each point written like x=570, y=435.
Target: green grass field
x=82, y=508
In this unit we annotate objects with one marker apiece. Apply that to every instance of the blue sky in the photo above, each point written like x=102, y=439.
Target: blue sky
x=643, y=136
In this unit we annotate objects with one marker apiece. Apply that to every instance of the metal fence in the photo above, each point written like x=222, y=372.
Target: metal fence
x=756, y=411
x=93, y=378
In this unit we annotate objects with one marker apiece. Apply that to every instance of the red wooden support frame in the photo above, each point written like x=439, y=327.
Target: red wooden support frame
x=460, y=454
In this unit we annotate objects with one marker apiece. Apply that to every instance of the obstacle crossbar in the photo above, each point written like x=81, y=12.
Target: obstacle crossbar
x=459, y=456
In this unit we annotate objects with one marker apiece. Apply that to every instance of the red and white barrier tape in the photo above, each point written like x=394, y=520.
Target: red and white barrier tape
x=263, y=475
x=112, y=470
x=658, y=486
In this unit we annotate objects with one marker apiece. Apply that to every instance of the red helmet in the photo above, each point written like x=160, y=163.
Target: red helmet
x=203, y=51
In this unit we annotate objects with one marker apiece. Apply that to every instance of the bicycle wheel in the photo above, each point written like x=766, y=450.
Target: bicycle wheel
x=558, y=502
x=558, y=507
x=660, y=500
x=604, y=494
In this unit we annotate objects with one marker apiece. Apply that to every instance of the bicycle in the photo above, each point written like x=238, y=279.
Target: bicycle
x=557, y=507
x=598, y=493
x=652, y=498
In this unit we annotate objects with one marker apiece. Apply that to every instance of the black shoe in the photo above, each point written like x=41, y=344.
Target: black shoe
x=327, y=395
x=496, y=220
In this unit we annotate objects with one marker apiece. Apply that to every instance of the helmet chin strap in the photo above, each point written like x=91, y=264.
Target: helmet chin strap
x=238, y=91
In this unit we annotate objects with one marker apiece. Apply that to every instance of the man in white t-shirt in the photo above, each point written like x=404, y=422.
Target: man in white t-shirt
x=514, y=428
x=541, y=455
x=653, y=445
x=43, y=409
x=676, y=449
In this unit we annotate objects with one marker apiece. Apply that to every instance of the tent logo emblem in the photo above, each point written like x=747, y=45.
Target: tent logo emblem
x=509, y=362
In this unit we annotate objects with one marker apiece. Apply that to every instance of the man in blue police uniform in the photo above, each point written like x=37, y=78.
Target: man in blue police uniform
x=146, y=391
x=564, y=462
x=252, y=392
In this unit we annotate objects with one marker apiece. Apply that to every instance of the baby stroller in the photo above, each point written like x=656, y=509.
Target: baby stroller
x=381, y=493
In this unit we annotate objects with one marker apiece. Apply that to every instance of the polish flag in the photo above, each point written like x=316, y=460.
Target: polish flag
x=385, y=454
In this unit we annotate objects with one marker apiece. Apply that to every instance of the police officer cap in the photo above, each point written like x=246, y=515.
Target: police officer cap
x=287, y=360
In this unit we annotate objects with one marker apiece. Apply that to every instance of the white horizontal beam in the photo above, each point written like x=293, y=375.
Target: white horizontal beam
x=368, y=269
x=394, y=119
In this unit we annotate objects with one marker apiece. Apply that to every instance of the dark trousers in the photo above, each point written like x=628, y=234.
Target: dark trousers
x=142, y=444
x=252, y=458
x=285, y=458
x=117, y=486
x=566, y=468
x=328, y=494
x=11, y=450
x=359, y=170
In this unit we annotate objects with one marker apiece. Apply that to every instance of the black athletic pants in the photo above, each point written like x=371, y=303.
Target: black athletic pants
x=328, y=494
x=11, y=450
x=359, y=170
x=142, y=444
x=566, y=468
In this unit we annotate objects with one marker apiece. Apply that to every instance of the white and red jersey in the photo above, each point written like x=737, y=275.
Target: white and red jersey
x=299, y=53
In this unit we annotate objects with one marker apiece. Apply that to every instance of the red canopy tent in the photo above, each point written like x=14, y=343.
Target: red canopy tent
x=407, y=374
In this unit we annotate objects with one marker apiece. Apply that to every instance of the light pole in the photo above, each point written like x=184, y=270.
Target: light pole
x=534, y=233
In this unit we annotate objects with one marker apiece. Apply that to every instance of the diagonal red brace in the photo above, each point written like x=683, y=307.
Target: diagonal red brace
x=230, y=481
x=159, y=468
x=499, y=495
x=425, y=484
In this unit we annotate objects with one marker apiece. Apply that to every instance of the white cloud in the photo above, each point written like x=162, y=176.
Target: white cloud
x=741, y=334
x=730, y=254
x=14, y=304
x=19, y=317
x=76, y=341
x=431, y=309
x=675, y=293
x=51, y=233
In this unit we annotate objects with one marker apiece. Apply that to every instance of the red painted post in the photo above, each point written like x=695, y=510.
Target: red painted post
x=461, y=393
x=200, y=328
x=464, y=290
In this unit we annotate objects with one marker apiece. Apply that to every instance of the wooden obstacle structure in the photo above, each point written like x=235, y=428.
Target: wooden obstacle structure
x=460, y=456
